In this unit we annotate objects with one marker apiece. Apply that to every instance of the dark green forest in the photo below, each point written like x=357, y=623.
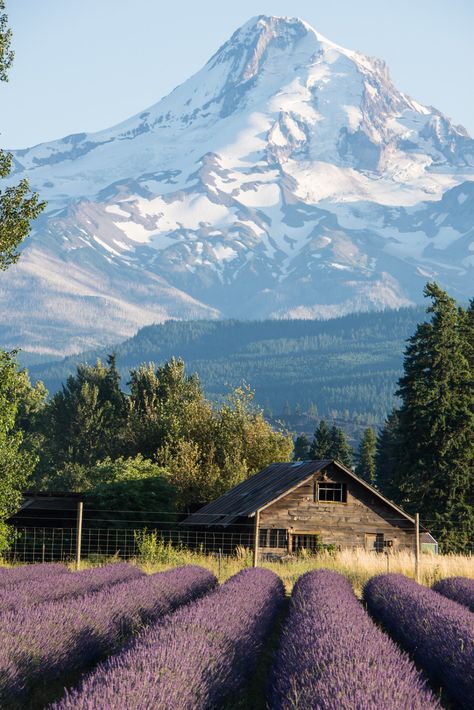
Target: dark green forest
x=345, y=368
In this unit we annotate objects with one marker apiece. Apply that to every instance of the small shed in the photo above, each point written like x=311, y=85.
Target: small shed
x=47, y=510
x=428, y=543
x=289, y=507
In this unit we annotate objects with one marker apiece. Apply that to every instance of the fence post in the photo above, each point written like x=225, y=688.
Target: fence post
x=417, y=547
x=255, y=538
x=79, y=534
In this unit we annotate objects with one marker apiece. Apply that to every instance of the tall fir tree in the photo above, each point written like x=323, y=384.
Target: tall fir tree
x=436, y=422
x=366, y=456
x=330, y=443
x=340, y=449
x=301, y=450
x=386, y=459
x=321, y=445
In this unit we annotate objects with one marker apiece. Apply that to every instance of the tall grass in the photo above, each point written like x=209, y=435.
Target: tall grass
x=357, y=565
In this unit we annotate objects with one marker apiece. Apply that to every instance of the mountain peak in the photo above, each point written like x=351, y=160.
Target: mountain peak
x=260, y=38
x=287, y=177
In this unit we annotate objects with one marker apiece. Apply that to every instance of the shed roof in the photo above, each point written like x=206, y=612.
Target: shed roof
x=266, y=487
x=50, y=501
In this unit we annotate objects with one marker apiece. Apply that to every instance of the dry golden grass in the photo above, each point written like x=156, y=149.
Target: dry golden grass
x=357, y=565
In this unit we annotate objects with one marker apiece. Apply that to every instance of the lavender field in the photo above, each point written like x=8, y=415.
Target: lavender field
x=116, y=638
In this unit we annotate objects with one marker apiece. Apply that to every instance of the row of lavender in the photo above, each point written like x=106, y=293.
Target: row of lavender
x=332, y=655
x=459, y=589
x=51, y=642
x=50, y=583
x=436, y=630
x=200, y=657
x=12, y=575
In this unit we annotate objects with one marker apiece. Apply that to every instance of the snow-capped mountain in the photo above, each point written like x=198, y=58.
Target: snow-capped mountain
x=288, y=177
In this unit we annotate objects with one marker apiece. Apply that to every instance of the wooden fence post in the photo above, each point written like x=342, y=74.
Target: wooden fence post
x=255, y=538
x=79, y=534
x=417, y=547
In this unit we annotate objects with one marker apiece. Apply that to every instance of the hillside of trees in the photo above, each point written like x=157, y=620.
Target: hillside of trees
x=345, y=368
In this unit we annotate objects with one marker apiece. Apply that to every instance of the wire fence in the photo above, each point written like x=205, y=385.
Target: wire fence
x=40, y=544
x=50, y=536
x=46, y=544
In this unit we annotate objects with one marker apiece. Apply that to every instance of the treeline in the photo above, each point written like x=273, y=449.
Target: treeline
x=160, y=446
x=159, y=443
x=423, y=456
x=347, y=367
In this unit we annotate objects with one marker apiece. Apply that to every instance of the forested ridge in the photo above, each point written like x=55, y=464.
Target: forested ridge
x=345, y=367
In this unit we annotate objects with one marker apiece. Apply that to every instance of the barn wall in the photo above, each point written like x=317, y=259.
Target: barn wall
x=354, y=523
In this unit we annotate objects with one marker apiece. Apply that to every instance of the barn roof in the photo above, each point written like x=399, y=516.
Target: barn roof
x=266, y=487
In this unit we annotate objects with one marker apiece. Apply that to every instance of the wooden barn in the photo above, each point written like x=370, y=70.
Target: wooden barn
x=291, y=506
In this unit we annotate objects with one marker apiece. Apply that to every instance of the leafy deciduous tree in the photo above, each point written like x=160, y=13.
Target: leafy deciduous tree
x=18, y=205
x=16, y=463
x=84, y=422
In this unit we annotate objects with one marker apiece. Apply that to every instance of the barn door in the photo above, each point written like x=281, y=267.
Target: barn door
x=374, y=542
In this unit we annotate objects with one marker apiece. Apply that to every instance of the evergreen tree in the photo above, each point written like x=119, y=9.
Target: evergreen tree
x=340, y=448
x=366, y=456
x=321, y=446
x=301, y=450
x=286, y=411
x=436, y=422
x=386, y=459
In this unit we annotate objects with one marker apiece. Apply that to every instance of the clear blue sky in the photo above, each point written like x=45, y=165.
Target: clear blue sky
x=83, y=65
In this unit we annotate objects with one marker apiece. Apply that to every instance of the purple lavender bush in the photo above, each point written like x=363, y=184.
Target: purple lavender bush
x=437, y=631
x=44, y=644
x=459, y=589
x=57, y=586
x=332, y=655
x=14, y=575
x=200, y=657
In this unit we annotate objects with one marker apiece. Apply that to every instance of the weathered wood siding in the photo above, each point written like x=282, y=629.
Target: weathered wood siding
x=354, y=523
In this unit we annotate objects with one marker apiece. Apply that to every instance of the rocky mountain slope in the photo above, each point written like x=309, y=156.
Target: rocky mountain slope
x=288, y=178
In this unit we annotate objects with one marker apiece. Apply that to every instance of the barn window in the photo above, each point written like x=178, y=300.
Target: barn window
x=309, y=542
x=272, y=537
x=330, y=492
